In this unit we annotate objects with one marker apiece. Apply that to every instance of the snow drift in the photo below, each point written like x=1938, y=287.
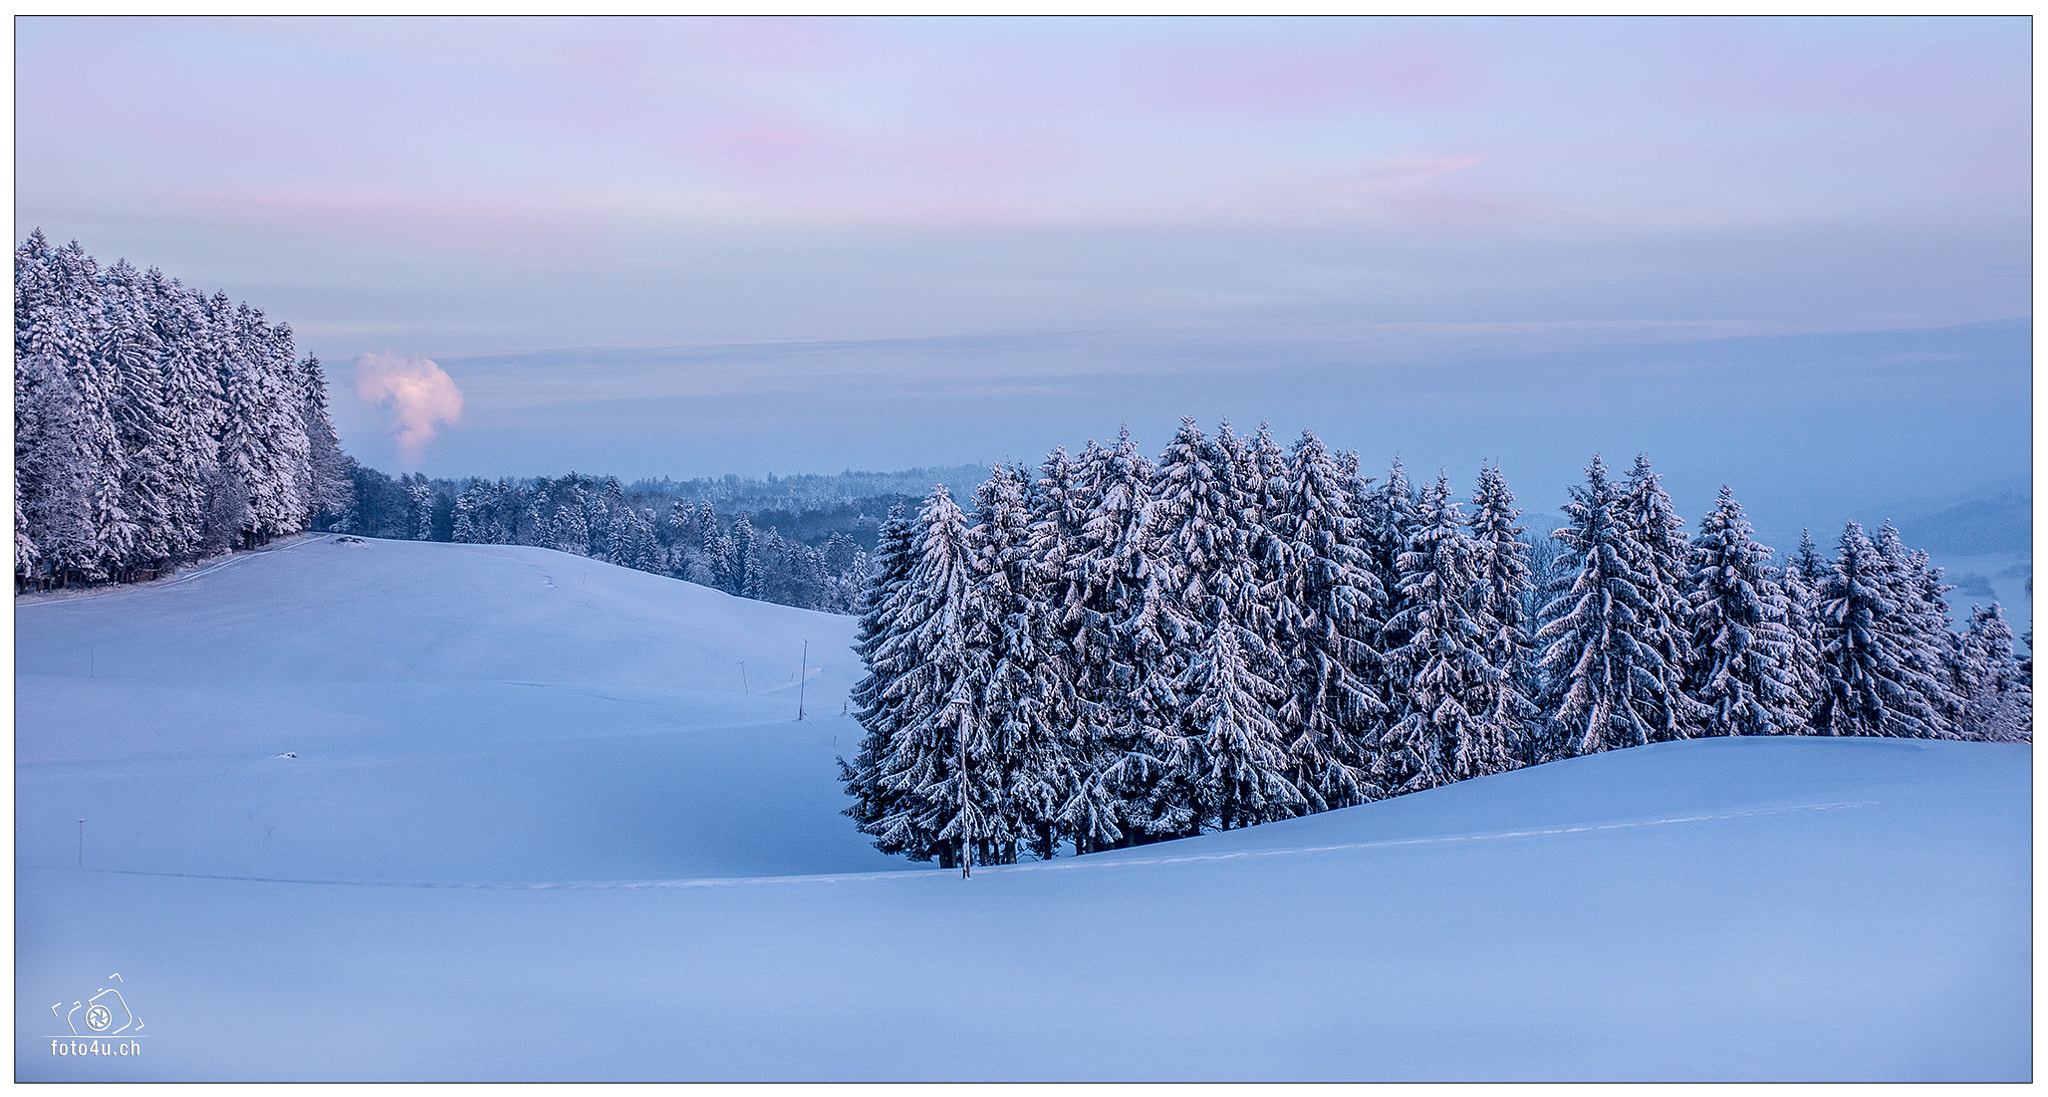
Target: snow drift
x=403, y=810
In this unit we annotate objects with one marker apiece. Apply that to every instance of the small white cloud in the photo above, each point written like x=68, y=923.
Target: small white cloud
x=419, y=396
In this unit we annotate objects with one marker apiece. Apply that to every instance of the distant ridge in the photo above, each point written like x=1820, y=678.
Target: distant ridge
x=813, y=490
x=2002, y=523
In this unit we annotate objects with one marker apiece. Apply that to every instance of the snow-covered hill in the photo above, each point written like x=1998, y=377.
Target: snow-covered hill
x=400, y=810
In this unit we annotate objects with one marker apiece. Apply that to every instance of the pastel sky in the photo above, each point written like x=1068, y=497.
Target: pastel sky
x=690, y=247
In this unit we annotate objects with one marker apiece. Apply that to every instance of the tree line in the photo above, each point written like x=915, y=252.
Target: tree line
x=602, y=519
x=1118, y=650
x=154, y=424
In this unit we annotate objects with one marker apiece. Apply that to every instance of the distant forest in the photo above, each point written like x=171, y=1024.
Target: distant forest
x=800, y=541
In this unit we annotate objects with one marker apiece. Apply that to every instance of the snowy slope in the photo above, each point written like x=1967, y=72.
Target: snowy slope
x=476, y=712
x=535, y=830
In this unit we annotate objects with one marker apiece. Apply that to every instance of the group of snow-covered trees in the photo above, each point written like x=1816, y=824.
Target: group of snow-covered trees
x=1118, y=650
x=153, y=423
x=602, y=520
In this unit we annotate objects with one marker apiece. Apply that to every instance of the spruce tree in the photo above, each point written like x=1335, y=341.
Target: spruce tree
x=1387, y=517
x=26, y=554
x=1028, y=692
x=326, y=465
x=70, y=327
x=1742, y=648
x=53, y=468
x=1123, y=621
x=1262, y=489
x=1436, y=734
x=471, y=506
x=884, y=660
x=1801, y=578
x=1922, y=627
x=131, y=352
x=1060, y=505
x=1870, y=684
x=1330, y=607
x=193, y=401
x=255, y=448
x=1663, y=558
x=1104, y=591
x=1606, y=677
x=1499, y=600
x=745, y=569
x=1197, y=537
x=943, y=793
x=1197, y=547
x=1228, y=737
x=1998, y=696
x=420, y=509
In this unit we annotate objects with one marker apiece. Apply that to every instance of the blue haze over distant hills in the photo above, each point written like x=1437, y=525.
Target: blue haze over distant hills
x=1809, y=430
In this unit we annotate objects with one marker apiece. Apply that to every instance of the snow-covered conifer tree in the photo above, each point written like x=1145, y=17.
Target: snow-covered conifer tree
x=192, y=400
x=1197, y=537
x=67, y=324
x=1107, y=585
x=131, y=351
x=1998, y=697
x=227, y=517
x=1606, y=679
x=896, y=552
x=1742, y=646
x=1388, y=517
x=1060, y=504
x=686, y=548
x=1329, y=605
x=326, y=465
x=1922, y=627
x=1500, y=597
x=840, y=550
x=944, y=794
x=567, y=529
x=1262, y=486
x=420, y=507
x=1436, y=734
x=260, y=415
x=746, y=566
x=1801, y=578
x=469, y=518
x=1663, y=558
x=1812, y=566
x=25, y=551
x=53, y=467
x=1227, y=735
x=1870, y=685
x=1198, y=546
x=1029, y=691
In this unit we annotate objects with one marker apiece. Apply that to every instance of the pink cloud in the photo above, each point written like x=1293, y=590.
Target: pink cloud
x=420, y=396
x=767, y=146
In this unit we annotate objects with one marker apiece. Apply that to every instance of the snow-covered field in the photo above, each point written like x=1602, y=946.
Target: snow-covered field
x=535, y=829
